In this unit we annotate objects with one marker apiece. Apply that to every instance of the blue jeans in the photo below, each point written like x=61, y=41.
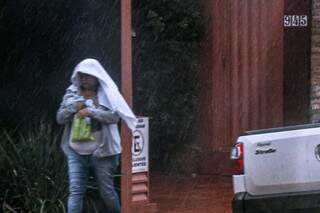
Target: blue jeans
x=104, y=170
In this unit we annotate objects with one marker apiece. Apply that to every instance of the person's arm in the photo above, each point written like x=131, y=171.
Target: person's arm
x=68, y=107
x=104, y=115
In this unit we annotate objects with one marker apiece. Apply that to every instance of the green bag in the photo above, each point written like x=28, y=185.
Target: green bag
x=81, y=130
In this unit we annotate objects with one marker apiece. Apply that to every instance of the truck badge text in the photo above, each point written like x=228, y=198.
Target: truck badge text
x=265, y=151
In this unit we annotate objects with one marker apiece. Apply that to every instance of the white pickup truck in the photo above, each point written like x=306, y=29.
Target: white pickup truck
x=277, y=170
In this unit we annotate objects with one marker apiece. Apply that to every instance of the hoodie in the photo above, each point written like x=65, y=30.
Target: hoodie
x=111, y=106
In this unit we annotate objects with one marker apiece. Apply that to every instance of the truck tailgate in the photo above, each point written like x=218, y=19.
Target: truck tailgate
x=281, y=162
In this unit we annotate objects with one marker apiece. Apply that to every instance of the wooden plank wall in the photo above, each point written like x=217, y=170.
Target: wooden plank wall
x=241, y=75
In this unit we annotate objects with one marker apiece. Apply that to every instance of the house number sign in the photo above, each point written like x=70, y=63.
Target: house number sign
x=295, y=20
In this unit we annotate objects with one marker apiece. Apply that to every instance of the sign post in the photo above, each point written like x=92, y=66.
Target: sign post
x=126, y=89
x=140, y=162
x=140, y=168
x=134, y=187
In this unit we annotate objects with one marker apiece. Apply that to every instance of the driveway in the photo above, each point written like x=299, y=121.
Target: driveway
x=197, y=194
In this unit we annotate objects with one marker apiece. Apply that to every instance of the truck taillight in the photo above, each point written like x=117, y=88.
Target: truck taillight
x=237, y=158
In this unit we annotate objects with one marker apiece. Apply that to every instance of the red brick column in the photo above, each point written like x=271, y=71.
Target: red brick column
x=315, y=62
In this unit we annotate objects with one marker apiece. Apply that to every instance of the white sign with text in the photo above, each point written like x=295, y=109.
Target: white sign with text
x=140, y=146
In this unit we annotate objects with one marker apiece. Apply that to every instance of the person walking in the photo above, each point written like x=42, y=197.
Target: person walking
x=90, y=111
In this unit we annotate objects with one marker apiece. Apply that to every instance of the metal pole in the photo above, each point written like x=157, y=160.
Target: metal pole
x=126, y=88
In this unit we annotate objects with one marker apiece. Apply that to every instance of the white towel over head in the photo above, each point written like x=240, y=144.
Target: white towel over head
x=108, y=92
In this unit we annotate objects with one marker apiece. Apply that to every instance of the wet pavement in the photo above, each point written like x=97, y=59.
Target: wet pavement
x=198, y=194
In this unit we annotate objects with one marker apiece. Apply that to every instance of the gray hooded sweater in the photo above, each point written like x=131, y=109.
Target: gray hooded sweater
x=112, y=106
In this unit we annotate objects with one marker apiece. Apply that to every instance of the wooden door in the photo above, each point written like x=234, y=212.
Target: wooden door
x=241, y=75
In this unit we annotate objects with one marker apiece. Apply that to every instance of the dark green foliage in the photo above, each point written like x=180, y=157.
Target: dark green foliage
x=33, y=171
x=166, y=46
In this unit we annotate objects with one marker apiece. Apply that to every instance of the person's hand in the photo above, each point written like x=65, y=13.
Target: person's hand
x=80, y=106
x=89, y=103
x=74, y=102
x=83, y=113
x=73, y=99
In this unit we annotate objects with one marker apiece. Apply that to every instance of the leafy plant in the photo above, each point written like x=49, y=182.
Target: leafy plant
x=33, y=171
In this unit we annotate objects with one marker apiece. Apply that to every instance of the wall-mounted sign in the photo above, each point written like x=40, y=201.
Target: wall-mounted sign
x=140, y=146
x=295, y=20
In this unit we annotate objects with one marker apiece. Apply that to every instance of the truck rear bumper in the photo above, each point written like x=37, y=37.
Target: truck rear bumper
x=276, y=203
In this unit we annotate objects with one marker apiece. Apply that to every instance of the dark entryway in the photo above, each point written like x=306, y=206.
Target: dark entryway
x=297, y=35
